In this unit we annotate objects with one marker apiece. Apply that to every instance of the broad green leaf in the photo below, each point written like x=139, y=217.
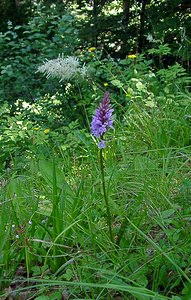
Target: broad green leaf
x=117, y=83
x=46, y=168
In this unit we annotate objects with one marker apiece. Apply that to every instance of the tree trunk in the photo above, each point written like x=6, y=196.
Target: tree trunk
x=95, y=20
x=125, y=19
x=17, y=4
x=142, y=25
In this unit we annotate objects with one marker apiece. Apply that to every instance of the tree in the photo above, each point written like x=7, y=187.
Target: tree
x=15, y=11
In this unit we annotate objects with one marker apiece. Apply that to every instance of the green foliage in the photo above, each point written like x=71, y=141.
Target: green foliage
x=54, y=199
x=23, y=48
x=53, y=220
x=53, y=29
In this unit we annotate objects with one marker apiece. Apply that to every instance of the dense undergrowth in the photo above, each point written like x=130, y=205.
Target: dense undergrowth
x=54, y=237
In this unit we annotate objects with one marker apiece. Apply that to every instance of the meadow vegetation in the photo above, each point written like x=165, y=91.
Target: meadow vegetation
x=77, y=221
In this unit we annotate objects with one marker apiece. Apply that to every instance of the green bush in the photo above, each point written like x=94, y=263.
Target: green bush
x=23, y=48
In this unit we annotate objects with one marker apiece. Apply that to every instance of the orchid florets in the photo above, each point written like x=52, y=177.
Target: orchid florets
x=102, y=120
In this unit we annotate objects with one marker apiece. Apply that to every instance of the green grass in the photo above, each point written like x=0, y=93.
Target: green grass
x=55, y=232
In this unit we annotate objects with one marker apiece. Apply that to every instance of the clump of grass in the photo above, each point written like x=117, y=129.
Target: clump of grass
x=123, y=233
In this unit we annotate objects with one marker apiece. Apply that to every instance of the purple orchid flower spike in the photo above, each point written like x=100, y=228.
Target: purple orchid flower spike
x=102, y=120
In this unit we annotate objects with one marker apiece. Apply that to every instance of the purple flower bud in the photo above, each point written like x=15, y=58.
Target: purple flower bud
x=102, y=120
x=102, y=144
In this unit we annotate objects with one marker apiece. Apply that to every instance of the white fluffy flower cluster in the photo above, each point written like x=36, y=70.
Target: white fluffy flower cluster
x=64, y=68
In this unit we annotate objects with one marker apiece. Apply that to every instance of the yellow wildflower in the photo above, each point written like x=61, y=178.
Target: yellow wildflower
x=36, y=128
x=46, y=131
x=92, y=49
x=131, y=56
x=105, y=84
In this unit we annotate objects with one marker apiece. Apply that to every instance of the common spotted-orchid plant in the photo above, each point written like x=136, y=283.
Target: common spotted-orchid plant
x=101, y=122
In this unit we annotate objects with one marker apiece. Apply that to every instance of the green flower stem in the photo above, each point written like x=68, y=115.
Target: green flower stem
x=105, y=195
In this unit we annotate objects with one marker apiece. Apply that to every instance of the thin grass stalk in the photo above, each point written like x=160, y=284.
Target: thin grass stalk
x=55, y=210
x=55, y=214
x=136, y=291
